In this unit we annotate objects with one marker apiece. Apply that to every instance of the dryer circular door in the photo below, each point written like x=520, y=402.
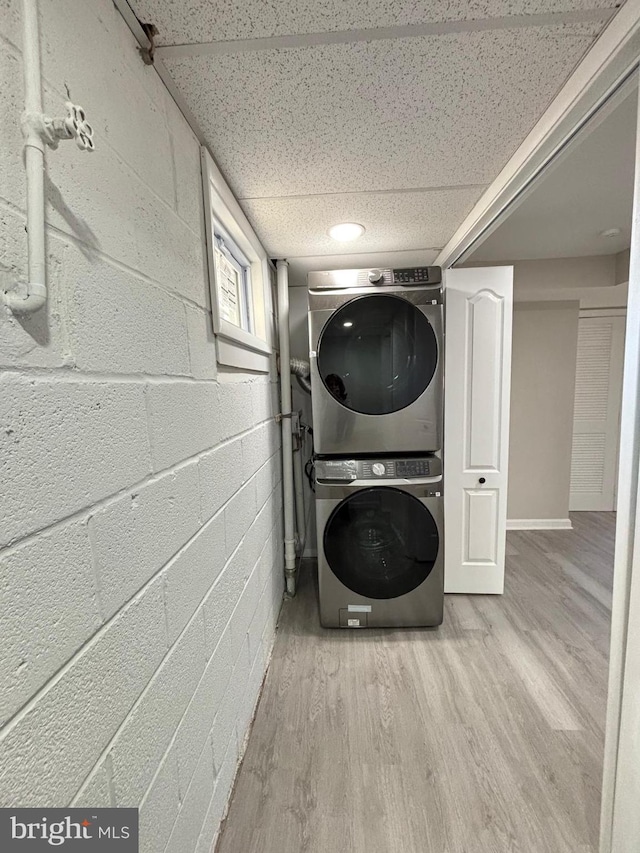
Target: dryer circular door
x=377, y=354
x=381, y=542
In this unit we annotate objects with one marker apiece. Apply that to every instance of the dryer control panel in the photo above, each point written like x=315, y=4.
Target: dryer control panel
x=407, y=468
x=425, y=277
x=417, y=275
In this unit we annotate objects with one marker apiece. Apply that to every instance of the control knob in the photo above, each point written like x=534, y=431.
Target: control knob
x=376, y=276
x=378, y=469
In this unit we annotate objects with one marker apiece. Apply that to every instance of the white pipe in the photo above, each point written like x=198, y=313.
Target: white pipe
x=301, y=525
x=287, y=444
x=34, y=164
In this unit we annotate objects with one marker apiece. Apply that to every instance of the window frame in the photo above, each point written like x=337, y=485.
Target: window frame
x=248, y=349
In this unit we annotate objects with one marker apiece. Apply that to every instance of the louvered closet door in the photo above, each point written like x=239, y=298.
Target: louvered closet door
x=596, y=418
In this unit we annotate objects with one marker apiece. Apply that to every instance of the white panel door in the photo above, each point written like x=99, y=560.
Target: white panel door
x=479, y=308
x=596, y=415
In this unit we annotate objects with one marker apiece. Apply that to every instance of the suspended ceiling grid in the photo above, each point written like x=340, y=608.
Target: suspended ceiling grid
x=393, y=113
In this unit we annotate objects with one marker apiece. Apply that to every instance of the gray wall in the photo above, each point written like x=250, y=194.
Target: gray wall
x=545, y=337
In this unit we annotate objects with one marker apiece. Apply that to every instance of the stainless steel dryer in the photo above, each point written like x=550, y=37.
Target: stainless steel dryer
x=376, y=353
x=380, y=542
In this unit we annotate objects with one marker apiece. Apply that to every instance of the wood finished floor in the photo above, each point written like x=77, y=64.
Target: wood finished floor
x=484, y=736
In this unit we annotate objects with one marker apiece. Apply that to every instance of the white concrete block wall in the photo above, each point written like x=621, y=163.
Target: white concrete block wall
x=140, y=542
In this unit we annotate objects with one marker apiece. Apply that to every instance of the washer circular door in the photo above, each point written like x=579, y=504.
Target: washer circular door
x=381, y=542
x=377, y=354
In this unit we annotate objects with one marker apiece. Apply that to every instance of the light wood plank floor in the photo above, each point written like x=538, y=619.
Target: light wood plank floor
x=484, y=736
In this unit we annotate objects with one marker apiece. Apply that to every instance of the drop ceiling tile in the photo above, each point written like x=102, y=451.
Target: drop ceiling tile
x=203, y=21
x=294, y=227
x=390, y=114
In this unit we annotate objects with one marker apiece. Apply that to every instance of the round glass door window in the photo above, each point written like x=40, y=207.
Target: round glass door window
x=381, y=542
x=377, y=354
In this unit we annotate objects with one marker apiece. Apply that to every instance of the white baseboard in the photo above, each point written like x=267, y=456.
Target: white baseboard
x=539, y=524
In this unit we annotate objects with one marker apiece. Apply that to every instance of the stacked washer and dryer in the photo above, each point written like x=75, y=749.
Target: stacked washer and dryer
x=377, y=367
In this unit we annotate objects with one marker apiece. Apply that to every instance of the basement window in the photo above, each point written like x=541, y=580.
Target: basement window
x=232, y=273
x=239, y=279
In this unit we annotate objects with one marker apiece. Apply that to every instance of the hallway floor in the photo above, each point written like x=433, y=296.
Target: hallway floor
x=483, y=736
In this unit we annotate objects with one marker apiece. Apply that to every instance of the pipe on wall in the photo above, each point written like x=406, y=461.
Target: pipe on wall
x=282, y=268
x=36, y=295
x=298, y=480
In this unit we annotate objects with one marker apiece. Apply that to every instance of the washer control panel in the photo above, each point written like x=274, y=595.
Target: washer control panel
x=413, y=468
x=345, y=470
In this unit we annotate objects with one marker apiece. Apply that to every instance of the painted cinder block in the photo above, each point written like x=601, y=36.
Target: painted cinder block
x=168, y=251
x=12, y=177
x=146, y=733
x=49, y=610
x=264, y=480
x=93, y=198
x=130, y=544
x=248, y=703
x=202, y=346
x=235, y=405
x=197, y=721
x=221, y=475
x=259, y=446
x=264, y=400
x=186, y=163
x=160, y=806
x=223, y=729
x=183, y=420
x=246, y=608
x=54, y=745
x=219, y=801
x=39, y=340
x=195, y=805
x=239, y=514
x=98, y=704
x=96, y=792
x=66, y=445
x=259, y=626
x=259, y=532
x=95, y=70
x=133, y=226
x=225, y=594
x=222, y=599
x=191, y=575
x=84, y=191
x=119, y=323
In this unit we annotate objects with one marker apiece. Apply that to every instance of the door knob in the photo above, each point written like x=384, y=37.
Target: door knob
x=482, y=480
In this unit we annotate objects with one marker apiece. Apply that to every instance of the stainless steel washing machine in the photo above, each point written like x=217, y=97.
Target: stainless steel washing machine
x=376, y=353
x=380, y=541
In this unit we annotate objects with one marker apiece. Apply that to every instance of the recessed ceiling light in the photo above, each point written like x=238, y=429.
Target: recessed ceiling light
x=611, y=232
x=346, y=231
